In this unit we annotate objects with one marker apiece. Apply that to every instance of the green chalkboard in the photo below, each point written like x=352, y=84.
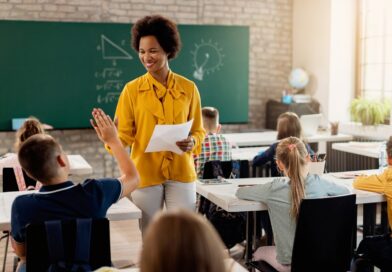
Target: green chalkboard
x=59, y=71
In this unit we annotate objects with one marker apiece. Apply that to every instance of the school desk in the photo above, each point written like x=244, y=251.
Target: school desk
x=367, y=149
x=124, y=209
x=224, y=197
x=267, y=138
x=246, y=153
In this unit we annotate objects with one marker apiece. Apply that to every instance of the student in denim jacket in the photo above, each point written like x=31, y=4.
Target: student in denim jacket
x=288, y=125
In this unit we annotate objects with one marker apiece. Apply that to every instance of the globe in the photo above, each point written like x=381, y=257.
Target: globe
x=298, y=78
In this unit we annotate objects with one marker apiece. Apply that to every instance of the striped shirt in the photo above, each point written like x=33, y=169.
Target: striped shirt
x=214, y=147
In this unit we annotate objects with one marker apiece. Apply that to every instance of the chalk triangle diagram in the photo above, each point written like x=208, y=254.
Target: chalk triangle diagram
x=112, y=51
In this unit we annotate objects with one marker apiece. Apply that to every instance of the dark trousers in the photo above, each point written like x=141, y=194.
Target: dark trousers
x=374, y=250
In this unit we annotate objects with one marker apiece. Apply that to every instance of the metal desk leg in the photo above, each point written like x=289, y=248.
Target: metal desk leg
x=354, y=242
x=369, y=219
x=5, y=250
x=384, y=218
x=249, y=236
x=258, y=227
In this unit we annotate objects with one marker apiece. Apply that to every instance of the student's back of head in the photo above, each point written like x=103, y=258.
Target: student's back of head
x=181, y=241
x=389, y=148
x=210, y=119
x=30, y=127
x=288, y=125
x=38, y=156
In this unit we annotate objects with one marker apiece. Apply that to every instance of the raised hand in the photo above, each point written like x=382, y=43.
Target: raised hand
x=104, y=126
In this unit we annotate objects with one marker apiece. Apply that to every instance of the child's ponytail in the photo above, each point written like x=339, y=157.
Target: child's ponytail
x=292, y=153
x=29, y=128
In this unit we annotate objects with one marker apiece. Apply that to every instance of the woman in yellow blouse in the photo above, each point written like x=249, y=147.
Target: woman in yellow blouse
x=160, y=97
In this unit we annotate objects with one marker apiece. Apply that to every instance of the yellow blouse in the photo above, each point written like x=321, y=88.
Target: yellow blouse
x=138, y=111
x=379, y=184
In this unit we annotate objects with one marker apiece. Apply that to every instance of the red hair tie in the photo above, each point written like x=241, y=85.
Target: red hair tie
x=292, y=146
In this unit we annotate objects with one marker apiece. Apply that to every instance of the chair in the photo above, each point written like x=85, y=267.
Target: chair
x=9, y=180
x=227, y=169
x=230, y=169
x=67, y=242
x=262, y=170
x=324, y=236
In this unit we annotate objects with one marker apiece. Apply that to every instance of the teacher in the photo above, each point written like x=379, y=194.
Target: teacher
x=160, y=97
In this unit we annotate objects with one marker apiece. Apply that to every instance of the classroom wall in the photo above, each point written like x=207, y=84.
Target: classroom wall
x=324, y=45
x=270, y=56
x=311, y=45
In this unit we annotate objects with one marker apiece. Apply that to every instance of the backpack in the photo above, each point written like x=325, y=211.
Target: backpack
x=54, y=235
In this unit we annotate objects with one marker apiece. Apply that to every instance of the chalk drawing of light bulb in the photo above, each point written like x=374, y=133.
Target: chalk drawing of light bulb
x=207, y=58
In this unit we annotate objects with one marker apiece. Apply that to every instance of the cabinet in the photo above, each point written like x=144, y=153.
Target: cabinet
x=275, y=108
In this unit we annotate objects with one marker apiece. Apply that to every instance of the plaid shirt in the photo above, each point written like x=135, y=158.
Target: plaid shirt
x=214, y=147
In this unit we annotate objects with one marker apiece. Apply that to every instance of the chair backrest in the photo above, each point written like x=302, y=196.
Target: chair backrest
x=263, y=170
x=238, y=168
x=324, y=235
x=37, y=246
x=9, y=180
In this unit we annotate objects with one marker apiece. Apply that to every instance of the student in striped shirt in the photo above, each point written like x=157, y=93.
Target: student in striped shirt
x=215, y=145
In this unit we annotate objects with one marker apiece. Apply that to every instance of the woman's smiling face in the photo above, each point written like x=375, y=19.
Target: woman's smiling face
x=152, y=55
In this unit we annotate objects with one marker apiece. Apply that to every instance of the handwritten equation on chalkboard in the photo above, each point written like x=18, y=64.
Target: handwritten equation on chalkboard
x=108, y=79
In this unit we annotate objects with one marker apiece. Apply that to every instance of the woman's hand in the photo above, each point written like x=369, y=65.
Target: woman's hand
x=186, y=144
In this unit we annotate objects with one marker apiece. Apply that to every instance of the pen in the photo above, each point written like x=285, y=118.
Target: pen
x=246, y=185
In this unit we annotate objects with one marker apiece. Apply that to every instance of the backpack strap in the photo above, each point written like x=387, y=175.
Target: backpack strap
x=56, y=246
x=83, y=241
x=54, y=237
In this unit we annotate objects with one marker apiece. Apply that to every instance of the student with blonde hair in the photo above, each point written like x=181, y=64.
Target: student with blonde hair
x=31, y=126
x=288, y=125
x=283, y=197
x=215, y=146
x=180, y=240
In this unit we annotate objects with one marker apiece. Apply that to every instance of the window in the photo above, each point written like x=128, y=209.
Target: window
x=375, y=49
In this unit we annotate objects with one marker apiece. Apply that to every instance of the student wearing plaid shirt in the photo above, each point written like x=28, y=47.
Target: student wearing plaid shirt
x=215, y=146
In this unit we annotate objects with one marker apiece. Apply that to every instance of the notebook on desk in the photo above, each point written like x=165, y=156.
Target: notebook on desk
x=310, y=124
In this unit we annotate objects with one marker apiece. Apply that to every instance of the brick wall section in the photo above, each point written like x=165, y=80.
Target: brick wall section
x=270, y=24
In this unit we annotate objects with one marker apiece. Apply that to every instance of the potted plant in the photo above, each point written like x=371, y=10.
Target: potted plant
x=369, y=112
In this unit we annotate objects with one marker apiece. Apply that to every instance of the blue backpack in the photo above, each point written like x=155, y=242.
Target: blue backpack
x=55, y=243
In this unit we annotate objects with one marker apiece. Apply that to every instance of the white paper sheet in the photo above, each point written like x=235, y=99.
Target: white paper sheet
x=164, y=137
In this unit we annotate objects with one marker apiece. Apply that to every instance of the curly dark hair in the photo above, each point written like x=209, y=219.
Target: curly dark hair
x=163, y=29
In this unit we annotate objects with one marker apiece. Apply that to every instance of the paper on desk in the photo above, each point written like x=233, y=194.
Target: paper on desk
x=346, y=175
x=164, y=137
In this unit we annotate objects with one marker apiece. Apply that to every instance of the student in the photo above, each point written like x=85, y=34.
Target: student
x=44, y=160
x=30, y=127
x=180, y=240
x=160, y=97
x=283, y=197
x=377, y=250
x=215, y=146
x=288, y=125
